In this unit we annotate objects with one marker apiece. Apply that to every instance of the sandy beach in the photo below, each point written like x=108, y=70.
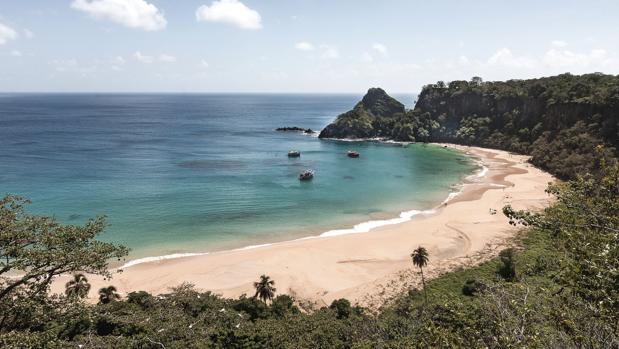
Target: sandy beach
x=367, y=268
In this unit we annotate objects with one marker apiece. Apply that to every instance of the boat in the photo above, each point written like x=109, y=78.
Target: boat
x=294, y=154
x=306, y=175
x=352, y=154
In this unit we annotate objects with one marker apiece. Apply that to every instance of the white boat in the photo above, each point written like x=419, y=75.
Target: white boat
x=306, y=175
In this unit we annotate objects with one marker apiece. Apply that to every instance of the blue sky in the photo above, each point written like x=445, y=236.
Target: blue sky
x=296, y=45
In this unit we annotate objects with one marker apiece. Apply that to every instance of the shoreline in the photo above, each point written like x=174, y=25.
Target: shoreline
x=354, y=263
x=359, y=228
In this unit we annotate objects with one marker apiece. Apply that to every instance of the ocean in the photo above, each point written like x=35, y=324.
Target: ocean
x=193, y=173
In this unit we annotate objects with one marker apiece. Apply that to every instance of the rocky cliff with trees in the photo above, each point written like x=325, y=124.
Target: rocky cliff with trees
x=558, y=120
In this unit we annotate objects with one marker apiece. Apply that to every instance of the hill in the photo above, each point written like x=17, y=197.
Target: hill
x=558, y=120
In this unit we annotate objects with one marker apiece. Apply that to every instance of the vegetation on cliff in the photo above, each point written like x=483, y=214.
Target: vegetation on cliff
x=362, y=120
x=558, y=120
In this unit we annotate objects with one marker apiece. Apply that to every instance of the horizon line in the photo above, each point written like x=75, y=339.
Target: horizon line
x=194, y=92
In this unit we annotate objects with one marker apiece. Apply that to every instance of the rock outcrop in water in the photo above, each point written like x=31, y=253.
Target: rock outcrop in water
x=559, y=120
x=294, y=129
x=364, y=120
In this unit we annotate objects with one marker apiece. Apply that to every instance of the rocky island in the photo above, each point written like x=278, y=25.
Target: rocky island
x=370, y=118
x=294, y=129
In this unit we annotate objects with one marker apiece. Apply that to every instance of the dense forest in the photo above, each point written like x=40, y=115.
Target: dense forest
x=558, y=288
x=557, y=120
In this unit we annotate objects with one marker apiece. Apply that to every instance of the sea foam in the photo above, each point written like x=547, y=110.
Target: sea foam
x=369, y=225
x=160, y=258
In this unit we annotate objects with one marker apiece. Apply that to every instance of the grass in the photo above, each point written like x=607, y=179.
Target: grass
x=535, y=250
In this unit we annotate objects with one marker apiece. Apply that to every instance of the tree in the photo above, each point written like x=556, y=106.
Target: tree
x=264, y=288
x=342, y=308
x=40, y=248
x=420, y=259
x=78, y=287
x=476, y=81
x=108, y=294
x=507, y=269
x=282, y=305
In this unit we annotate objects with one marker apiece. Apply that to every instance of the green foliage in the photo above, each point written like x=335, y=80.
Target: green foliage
x=141, y=298
x=507, y=269
x=420, y=259
x=265, y=289
x=472, y=287
x=585, y=219
x=39, y=249
x=342, y=308
x=34, y=250
x=78, y=287
x=108, y=294
x=283, y=305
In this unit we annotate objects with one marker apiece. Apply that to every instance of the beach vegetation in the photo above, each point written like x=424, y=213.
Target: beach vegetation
x=507, y=269
x=265, y=288
x=420, y=260
x=108, y=294
x=77, y=287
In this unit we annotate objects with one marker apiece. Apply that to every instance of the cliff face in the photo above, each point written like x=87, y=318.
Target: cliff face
x=361, y=121
x=559, y=120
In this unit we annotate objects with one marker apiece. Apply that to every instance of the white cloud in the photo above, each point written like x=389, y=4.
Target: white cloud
x=118, y=60
x=148, y=59
x=367, y=57
x=28, y=34
x=137, y=14
x=167, y=58
x=230, y=12
x=7, y=34
x=559, y=43
x=505, y=57
x=557, y=60
x=565, y=58
x=143, y=58
x=380, y=48
x=204, y=64
x=304, y=46
x=63, y=65
x=16, y=53
x=330, y=52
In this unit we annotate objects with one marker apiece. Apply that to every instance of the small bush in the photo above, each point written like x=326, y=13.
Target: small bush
x=507, y=270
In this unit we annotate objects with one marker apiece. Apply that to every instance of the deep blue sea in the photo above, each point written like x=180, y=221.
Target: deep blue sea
x=193, y=173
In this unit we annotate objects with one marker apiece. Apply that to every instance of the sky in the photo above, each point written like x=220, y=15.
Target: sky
x=317, y=46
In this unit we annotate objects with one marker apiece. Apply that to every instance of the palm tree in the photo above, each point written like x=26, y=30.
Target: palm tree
x=264, y=288
x=108, y=294
x=78, y=287
x=420, y=259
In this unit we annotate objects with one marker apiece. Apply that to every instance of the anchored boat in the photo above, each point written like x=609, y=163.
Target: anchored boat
x=352, y=154
x=306, y=175
x=294, y=154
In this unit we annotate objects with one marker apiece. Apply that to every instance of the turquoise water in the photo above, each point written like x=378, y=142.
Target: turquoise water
x=195, y=173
